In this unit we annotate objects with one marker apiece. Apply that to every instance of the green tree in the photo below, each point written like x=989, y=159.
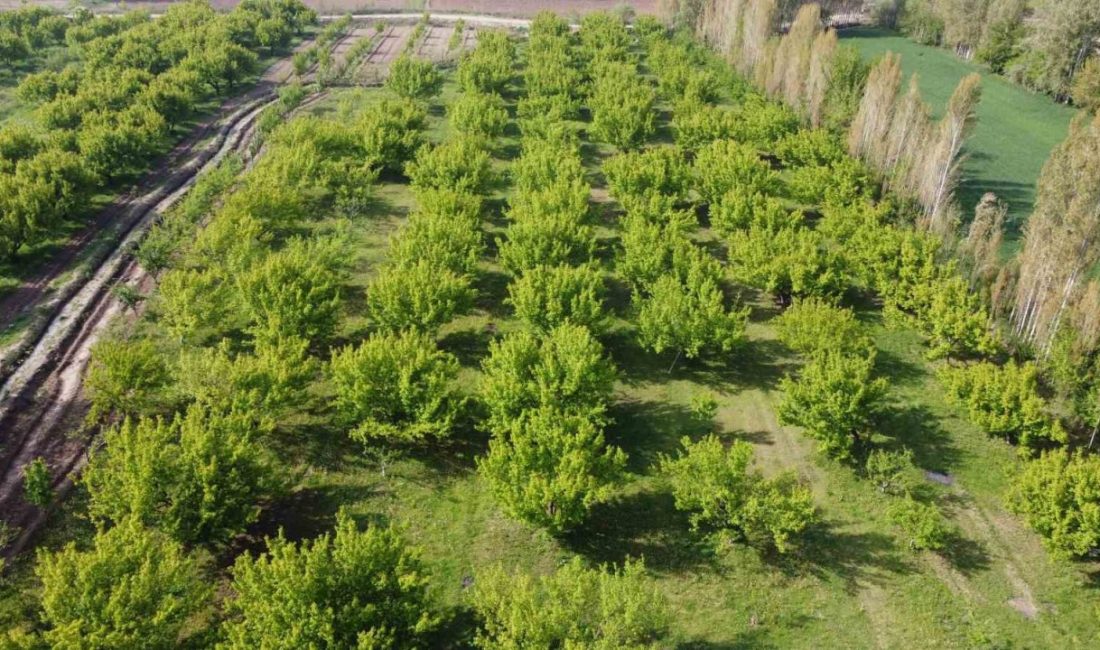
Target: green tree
x=125, y=378
x=488, y=67
x=813, y=326
x=696, y=125
x=922, y=524
x=835, y=399
x=622, y=106
x=787, y=263
x=478, y=115
x=547, y=296
x=549, y=467
x=633, y=177
x=890, y=471
x=418, y=296
x=1086, y=87
x=37, y=483
x=198, y=477
x=293, y=292
x=459, y=164
x=574, y=607
x=350, y=589
x=411, y=78
x=445, y=236
x=1059, y=496
x=393, y=131
x=1005, y=402
x=395, y=386
x=724, y=165
x=688, y=316
x=564, y=369
x=135, y=588
x=714, y=483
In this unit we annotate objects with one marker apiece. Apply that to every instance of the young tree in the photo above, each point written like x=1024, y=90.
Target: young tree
x=420, y=297
x=135, y=588
x=726, y=164
x=565, y=369
x=125, y=378
x=835, y=400
x=714, y=483
x=622, y=106
x=890, y=471
x=549, y=466
x=478, y=115
x=922, y=524
x=449, y=238
x=813, y=326
x=395, y=386
x=412, y=78
x=459, y=164
x=1005, y=402
x=392, y=132
x=574, y=607
x=488, y=68
x=198, y=477
x=547, y=296
x=1059, y=496
x=37, y=483
x=688, y=316
x=350, y=589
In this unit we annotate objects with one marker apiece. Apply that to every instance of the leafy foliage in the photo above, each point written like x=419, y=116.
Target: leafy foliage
x=622, y=106
x=1059, y=496
x=393, y=131
x=922, y=523
x=835, y=399
x=546, y=297
x=479, y=115
x=197, y=477
x=420, y=297
x=688, y=316
x=459, y=165
x=813, y=326
x=574, y=607
x=395, y=386
x=125, y=377
x=349, y=589
x=714, y=483
x=133, y=588
x=37, y=483
x=412, y=78
x=724, y=165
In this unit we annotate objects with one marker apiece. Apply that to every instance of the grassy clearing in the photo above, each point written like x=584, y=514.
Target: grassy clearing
x=1016, y=128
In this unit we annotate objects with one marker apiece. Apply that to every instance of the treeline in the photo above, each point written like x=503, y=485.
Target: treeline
x=1027, y=376
x=1048, y=45
x=26, y=31
x=106, y=119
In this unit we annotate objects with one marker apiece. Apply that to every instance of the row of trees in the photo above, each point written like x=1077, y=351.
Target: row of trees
x=107, y=118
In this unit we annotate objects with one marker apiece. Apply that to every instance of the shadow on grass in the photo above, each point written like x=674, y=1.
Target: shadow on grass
x=644, y=524
x=918, y=429
x=492, y=290
x=853, y=558
x=898, y=371
x=469, y=346
x=647, y=429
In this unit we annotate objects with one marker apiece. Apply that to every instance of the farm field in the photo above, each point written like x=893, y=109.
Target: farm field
x=1016, y=128
x=851, y=581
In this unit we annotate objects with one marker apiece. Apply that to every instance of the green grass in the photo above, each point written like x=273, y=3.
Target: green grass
x=1016, y=128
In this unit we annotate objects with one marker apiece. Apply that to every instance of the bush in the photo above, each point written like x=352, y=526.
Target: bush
x=922, y=524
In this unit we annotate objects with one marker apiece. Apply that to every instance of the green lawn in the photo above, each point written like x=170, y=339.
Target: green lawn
x=1016, y=128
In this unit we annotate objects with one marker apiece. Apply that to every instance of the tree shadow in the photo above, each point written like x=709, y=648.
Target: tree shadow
x=644, y=524
x=897, y=370
x=761, y=364
x=492, y=290
x=916, y=428
x=469, y=346
x=853, y=558
x=646, y=429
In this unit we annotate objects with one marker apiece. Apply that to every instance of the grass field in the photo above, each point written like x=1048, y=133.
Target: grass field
x=853, y=584
x=1016, y=128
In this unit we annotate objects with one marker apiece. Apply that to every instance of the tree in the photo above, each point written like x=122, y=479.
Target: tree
x=125, y=378
x=688, y=316
x=395, y=386
x=412, y=78
x=788, y=263
x=549, y=228
x=574, y=607
x=198, y=477
x=1061, y=34
x=740, y=209
x=726, y=164
x=549, y=466
x=545, y=297
x=459, y=164
x=633, y=177
x=393, y=131
x=350, y=589
x=713, y=482
x=696, y=125
x=135, y=588
x=1059, y=496
x=1086, y=87
x=1004, y=401
x=443, y=236
x=37, y=483
x=564, y=369
x=956, y=322
x=478, y=115
x=890, y=471
x=622, y=107
x=488, y=67
x=835, y=399
x=813, y=326
x=293, y=292
x=420, y=297
x=923, y=524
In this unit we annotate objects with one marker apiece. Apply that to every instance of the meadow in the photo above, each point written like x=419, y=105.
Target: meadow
x=1016, y=128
